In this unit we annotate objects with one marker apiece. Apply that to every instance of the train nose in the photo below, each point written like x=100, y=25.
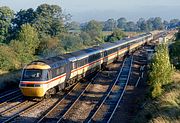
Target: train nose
x=33, y=92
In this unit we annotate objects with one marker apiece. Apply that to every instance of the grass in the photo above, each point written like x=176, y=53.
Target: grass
x=164, y=109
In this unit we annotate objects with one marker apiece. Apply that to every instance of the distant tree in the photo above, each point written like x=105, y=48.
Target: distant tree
x=94, y=29
x=23, y=17
x=121, y=23
x=149, y=25
x=50, y=20
x=116, y=35
x=131, y=26
x=71, y=42
x=109, y=25
x=142, y=24
x=73, y=25
x=86, y=39
x=165, y=23
x=6, y=15
x=174, y=23
x=157, y=23
x=50, y=46
x=26, y=44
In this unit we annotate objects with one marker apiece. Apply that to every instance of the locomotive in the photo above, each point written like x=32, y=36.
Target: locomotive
x=44, y=77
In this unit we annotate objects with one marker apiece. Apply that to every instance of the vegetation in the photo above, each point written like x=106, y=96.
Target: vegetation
x=45, y=32
x=165, y=86
x=161, y=70
x=116, y=35
x=6, y=15
x=165, y=108
x=175, y=51
x=141, y=25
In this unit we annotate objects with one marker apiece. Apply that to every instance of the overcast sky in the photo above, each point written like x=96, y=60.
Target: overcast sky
x=84, y=10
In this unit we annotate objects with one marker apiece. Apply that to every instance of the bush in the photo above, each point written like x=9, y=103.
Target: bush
x=50, y=46
x=161, y=70
x=8, y=58
x=157, y=90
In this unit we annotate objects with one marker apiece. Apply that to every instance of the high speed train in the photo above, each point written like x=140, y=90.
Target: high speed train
x=44, y=77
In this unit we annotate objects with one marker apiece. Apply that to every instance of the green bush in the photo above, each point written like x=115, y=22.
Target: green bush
x=8, y=58
x=161, y=70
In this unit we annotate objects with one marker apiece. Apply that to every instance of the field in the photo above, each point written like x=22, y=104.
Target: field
x=164, y=109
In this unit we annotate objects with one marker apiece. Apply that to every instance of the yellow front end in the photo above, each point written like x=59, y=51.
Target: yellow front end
x=31, y=87
x=33, y=91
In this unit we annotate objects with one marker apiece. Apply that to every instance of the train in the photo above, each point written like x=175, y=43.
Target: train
x=44, y=77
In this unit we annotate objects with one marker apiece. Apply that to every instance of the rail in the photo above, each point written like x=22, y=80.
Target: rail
x=121, y=80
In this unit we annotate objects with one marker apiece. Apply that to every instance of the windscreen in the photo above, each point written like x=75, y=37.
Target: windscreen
x=32, y=75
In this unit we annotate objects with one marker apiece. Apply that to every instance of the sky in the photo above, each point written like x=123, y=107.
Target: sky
x=85, y=10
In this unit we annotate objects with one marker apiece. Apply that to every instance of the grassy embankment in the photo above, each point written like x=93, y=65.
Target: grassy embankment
x=9, y=79
x=164, y=109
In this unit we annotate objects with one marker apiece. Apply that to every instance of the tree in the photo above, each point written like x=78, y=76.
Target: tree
x=50, y=20
x=50, y=46
x=174, y=23
x=71, y=42
x=116, y=35
x=175, y=51
x=165, y=23
x=142, y=24
x=6, y=15
x=121, y=23
x=157, y=23
x=161, y=70
x=94, y=29
x=131, y=26
x=109, y=25
x=8, y=58
x=26, y=44
x=73, y=25
x=23, y=17
x=86, y=39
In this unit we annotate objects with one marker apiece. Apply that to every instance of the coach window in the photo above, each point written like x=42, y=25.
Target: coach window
x=73, y=65
x=90, y=59
x=80, y=62
x=61, y=70
x=57, y=71
x=105, y=53
x=49, y=74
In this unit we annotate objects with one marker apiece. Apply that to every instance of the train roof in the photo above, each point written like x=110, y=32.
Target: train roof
x=86, y=52
x=53, y=62
x=61, y=60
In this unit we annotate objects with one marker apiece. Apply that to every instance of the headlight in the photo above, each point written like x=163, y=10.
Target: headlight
x=31, y=85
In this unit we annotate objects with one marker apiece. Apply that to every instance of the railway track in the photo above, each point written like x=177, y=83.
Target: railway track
x=88, y=100
x=66, y=111
x=13, y=113
x=60, y=110
x=108, y=106
x=63, y=105
x=9, y=96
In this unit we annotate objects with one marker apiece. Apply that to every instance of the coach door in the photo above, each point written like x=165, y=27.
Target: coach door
x=68, y=70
